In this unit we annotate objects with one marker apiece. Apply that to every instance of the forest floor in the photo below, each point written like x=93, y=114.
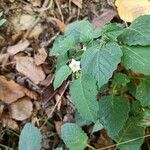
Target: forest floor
x=27, y=72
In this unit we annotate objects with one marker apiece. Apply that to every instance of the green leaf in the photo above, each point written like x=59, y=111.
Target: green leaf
x=83, y=95
x=81, y=30
x=111, y=31
x=73, y=136
x=138, y=33
x=58, y=148
x=101, y=62
x=61, y=75
x=113, y=113
x=121, y=79
x=61, y=61
x=2, y=21
x=30, y=138
x=62, y=44
x=143, y=92
x=136, y=58
x=131, y=134
x=97, y=126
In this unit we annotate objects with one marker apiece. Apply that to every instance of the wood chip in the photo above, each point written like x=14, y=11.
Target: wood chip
x=27, y=67
x=10, y=91
x=21, y=46
x=104, y=18
x=22, y=109
x=77, y=3
x=40, y=57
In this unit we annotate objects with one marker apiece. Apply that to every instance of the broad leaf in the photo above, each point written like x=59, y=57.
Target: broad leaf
x=83, y=94
x=138, y=33
x=61, y=61
x=143, y=92
x=62, y=44
x=101, y=61
x=61, y=75
x=81, y=30
x=113, y=113
x=131, y=135
x=30, y=138
x=97, y=126
x=73, y=136
x=136, y=58
x=111, y=31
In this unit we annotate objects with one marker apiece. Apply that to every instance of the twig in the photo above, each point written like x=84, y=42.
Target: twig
x=62, y=17
x=37, y=20
x=58, y=101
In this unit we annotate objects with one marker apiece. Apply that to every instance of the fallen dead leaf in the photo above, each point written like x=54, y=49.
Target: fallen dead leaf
x=58, y=125
x=10, y=91
x=77, y=3
x=35, y=3
x=21, y=109
x=40, y=57
x=27, y=67
x=131, y=9
x=1, y=109
x=3, y=57
x=10, y=123
x=21, y=46
x=104, y=18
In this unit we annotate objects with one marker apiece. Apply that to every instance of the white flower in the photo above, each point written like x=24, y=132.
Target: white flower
x=75, y=65
x=84, y=48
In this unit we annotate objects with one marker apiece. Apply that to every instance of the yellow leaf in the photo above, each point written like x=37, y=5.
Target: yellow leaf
x=131, y=9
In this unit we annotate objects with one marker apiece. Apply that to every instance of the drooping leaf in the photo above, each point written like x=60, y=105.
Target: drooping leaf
x=131, y=135
x=143, y=91
x=81, y=30
x=83, y=94
x=30, y=138
x=62, y=45
x=136, y=58
x=101, y=61
x=61, y=75
x=73, y=136
x=113, y=113
x=138, y=33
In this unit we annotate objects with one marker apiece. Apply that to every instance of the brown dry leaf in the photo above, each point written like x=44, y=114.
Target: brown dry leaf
x=104, y=18
x=31, y=94
x=58, y=125
x=59, y=23
x=77, y=3
x=1, y=109
x=10, y=123
x=27, y=67
x=40, y=57
x=131, y=9
x=3, y=57
x=10, y=91
x=21, y=109
x=35, y=3
x=21, y=46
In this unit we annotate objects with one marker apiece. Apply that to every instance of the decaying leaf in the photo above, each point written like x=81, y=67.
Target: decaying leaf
x=77, y=3
x=21, y=46
x=27, y=67
x=3, y=57
x=10, y=91
x=131, y=9
x=10, y=123
x=21, y=109
x=40, y=57
x=104, y=18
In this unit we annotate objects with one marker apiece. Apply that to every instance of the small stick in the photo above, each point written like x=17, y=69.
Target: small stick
x=58, y=101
